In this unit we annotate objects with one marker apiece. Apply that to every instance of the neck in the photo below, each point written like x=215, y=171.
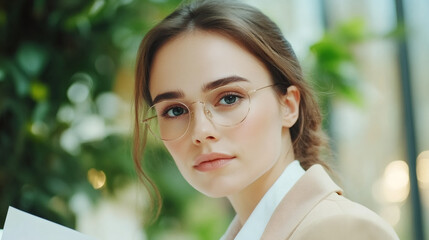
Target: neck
x=245, y=201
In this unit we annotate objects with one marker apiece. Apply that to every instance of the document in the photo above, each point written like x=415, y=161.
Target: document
x=20, y=225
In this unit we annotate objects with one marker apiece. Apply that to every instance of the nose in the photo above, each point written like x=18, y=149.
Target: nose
x=202, y=127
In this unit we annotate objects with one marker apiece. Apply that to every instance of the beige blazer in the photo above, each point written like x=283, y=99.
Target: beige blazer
x=315, y=209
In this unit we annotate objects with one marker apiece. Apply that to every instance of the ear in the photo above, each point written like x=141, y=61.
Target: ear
x=290, y=106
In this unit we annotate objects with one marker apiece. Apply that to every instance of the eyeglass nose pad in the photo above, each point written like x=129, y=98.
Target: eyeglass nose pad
x=206, y=110
x=208, y=113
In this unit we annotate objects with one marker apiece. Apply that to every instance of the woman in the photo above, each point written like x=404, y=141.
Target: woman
x=226, y=95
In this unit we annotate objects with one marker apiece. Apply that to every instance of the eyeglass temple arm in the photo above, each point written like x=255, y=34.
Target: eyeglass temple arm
x=255, y=90
x=147, y=119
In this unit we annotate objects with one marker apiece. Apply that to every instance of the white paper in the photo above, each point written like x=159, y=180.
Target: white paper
x=20, y=225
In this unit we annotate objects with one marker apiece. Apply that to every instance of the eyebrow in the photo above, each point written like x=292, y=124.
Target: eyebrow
x=206, y=87
x=222, y=82
x=168, y=96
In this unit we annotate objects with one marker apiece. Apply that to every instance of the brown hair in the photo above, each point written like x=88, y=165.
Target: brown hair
x=260, y=36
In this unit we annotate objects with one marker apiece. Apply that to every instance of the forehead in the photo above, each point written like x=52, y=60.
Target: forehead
x=193, y=59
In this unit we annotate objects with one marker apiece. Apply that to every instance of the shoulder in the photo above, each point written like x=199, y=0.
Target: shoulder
x=336, y=217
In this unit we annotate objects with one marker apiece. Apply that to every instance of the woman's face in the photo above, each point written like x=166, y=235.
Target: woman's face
x=217, y=160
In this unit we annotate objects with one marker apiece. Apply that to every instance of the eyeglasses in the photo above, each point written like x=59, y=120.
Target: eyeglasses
x=225, y=106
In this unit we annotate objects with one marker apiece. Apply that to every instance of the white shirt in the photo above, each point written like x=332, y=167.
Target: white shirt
x=255, y=225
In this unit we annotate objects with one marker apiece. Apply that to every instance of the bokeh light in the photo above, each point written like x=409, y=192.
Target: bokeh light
x=96, y=178
x=78, y=92
x=392, y=214
x=395, y=182
x=423, y=169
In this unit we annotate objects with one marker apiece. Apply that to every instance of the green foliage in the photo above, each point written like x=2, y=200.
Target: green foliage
x=334, y=68
x=57, y=58
x=334, y=71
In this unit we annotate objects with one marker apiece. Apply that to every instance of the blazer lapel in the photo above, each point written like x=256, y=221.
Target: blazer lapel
x=310, y=189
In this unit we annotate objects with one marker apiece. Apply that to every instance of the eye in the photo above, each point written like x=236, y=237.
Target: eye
x=229, y=99
x=174, y=111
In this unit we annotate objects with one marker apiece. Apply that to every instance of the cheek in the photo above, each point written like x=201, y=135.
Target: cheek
x=259, y=136
x=263, y=123
x=176, y=150
x=181, y=151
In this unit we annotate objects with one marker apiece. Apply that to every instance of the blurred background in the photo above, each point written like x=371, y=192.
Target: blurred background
x=66, y=86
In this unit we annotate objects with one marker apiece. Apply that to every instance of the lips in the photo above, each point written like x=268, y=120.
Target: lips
x=211, y=161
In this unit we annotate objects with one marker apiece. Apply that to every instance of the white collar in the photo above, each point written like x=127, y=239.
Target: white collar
x=255, y=225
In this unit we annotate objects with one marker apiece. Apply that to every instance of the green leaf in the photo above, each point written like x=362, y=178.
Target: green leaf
x=352, y=31
x=2, y=74
x=41, y=111
x=31, y=58
x=39, y=91
x=20, y=80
